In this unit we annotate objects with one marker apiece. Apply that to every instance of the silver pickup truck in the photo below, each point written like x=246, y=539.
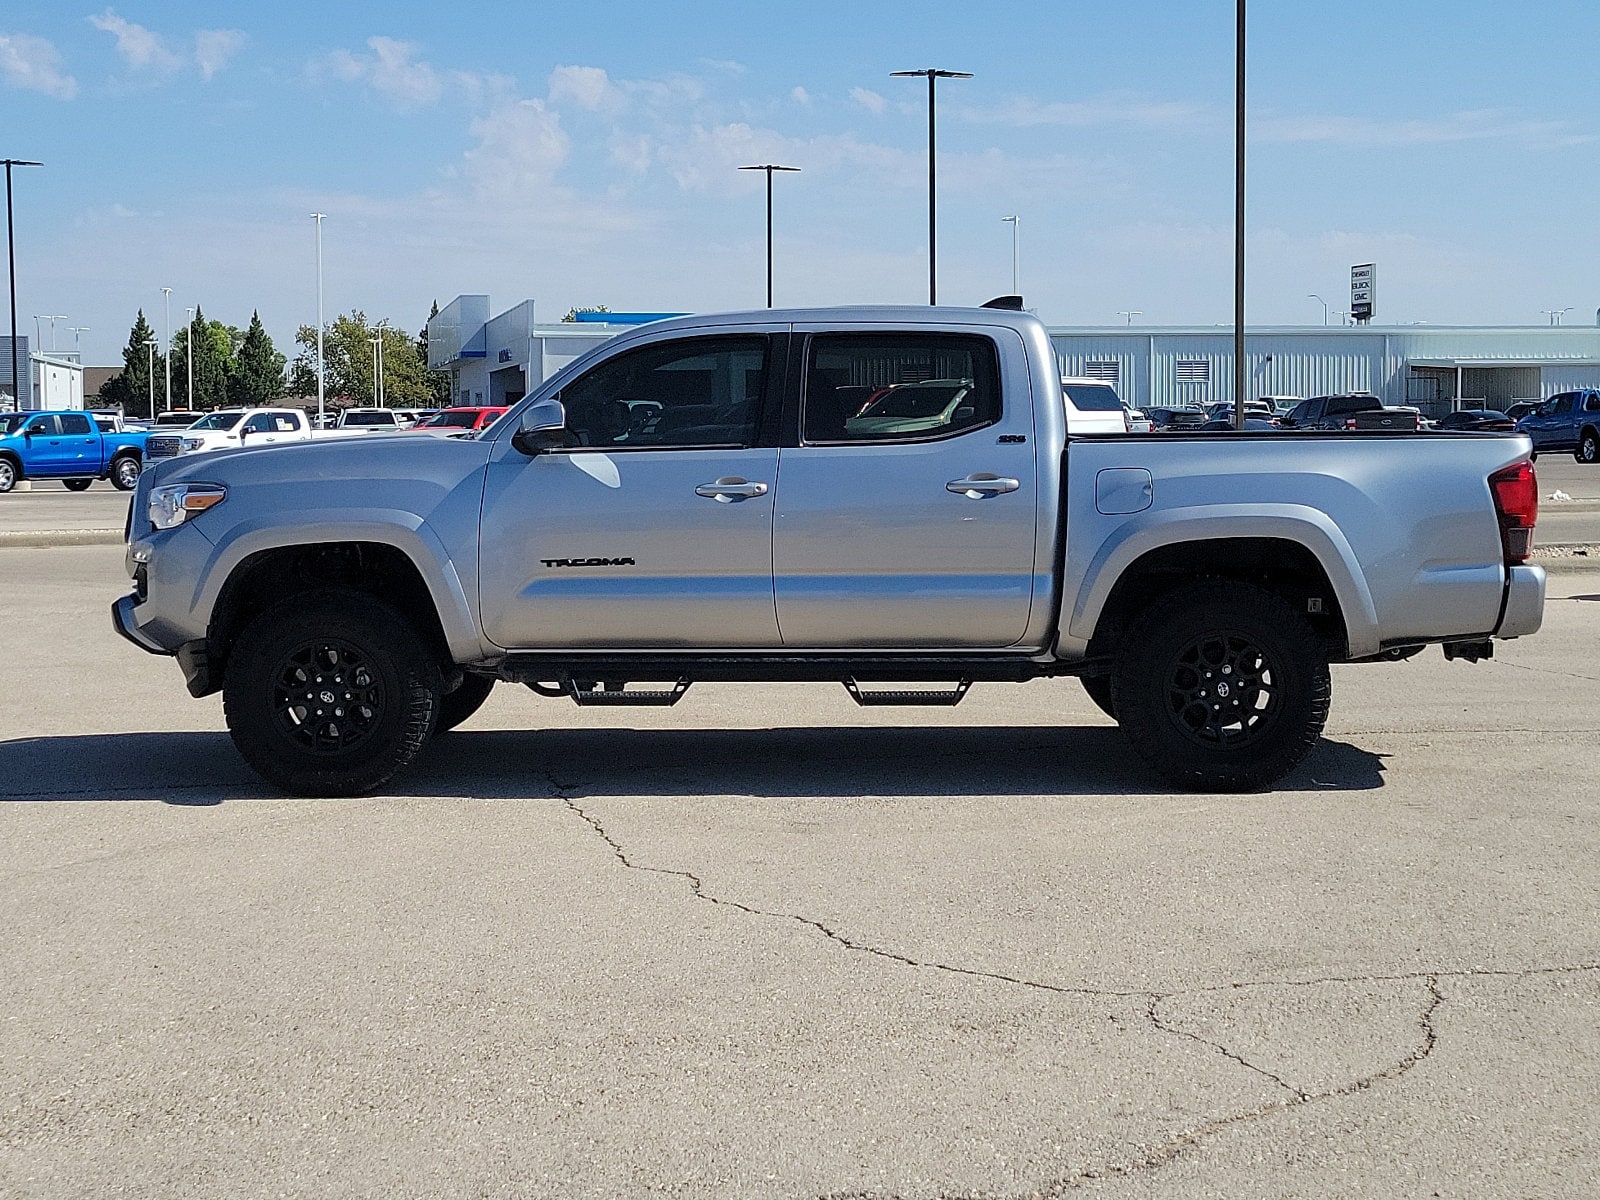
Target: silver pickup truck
x=886, y=498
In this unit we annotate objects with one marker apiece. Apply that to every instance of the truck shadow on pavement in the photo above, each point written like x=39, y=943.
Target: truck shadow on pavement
x=202, y=769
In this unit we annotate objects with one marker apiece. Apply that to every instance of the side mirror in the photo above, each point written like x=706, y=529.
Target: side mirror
x=540, y=427
x=244, y=433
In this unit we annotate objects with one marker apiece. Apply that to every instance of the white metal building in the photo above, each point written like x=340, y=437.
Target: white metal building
x=494, y=360
x=57, y=382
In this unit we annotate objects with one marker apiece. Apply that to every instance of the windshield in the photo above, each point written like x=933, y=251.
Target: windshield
x=11, y=422
x=218, y=420
x=916, y=400
x=453, y=420
x=1093, y=397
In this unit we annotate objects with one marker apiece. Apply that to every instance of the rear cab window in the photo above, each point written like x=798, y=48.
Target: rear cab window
x=877, y=387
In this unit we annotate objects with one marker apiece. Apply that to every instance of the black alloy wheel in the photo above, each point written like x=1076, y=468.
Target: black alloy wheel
x=1221, y=686
x=330, y=693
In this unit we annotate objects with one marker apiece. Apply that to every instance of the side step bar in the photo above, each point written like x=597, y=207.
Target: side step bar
x=902, y=697
x=591, y=694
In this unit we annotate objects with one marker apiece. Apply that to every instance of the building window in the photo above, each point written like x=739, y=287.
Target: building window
x=1194, y=370
x=1105, y=370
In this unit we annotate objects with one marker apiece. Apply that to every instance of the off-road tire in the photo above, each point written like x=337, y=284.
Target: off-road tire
x=1098, y=688
x=1588, y=450
x=455, y=707
x=76, y=485
x=1221, y=687
x=124, y=473
x=370, y=702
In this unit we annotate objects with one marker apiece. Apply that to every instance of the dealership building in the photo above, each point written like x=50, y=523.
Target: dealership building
x=498, y=359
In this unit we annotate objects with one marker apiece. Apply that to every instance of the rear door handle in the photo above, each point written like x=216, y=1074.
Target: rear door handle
x=730, y=488
x=982, y=484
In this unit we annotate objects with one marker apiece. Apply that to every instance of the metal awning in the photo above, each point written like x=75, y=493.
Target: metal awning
x=1481, y=363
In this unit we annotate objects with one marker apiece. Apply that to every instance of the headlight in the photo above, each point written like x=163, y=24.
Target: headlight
x=176, y=503
x=192, y=444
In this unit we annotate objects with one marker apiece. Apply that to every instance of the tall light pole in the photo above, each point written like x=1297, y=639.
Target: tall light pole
x=1131, y=314
x=1555, y=314
x=1321, y=301
x=1016, y=253
x=322, y=386
x=11, y=258
x=188, y=355
x=77, y=332
x=375, y=342
x=166, y=396
x=769, y=168
x=54, y=317
x=932, y=76
x=1238, y=221
x=150, y=353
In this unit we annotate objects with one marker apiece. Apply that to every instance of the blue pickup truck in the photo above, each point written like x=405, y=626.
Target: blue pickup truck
x=68, y=446
x=1567, y=421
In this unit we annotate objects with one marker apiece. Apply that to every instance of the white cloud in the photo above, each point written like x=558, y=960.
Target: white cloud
x=214, y=47
x=871, y=101
x=587, y=87
x=520, y=147
x=800, y=96
x=34, y=65
x=1480, y=126
x=1117, y=108
x=139, y=47
x=392, y=69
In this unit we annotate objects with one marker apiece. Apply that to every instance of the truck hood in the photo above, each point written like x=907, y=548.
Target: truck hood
x=331, y=468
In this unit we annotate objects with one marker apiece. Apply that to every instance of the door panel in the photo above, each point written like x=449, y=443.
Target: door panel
x=876, y=543
x=598, y=550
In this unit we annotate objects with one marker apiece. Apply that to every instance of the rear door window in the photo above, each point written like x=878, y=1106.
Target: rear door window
x=75, y=423
x=878, y=387
x=1092, y=397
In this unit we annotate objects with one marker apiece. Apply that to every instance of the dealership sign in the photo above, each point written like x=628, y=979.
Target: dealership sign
x=1363, y=291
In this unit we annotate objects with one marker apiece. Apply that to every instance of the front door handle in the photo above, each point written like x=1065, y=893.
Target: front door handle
x=976, y=487
x=730, y=488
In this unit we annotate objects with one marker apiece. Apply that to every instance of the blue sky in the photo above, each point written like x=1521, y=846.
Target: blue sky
x=582, y=155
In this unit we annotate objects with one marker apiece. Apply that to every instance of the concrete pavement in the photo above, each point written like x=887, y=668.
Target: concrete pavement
x=767, y=944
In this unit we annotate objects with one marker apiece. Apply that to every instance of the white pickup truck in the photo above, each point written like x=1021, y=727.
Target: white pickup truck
x=230, y=428
x=888, y=498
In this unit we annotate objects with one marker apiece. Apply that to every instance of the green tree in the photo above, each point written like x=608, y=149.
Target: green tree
x=258, y=373
x=572, y=313
x=130, y=391
x=215, y=346
x=438, y=381
x=348, y=352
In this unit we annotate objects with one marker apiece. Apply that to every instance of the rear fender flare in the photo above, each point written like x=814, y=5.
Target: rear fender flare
x=1148, y=531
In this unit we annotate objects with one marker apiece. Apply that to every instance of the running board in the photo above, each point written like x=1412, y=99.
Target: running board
x=617, y=694
x=928, y=699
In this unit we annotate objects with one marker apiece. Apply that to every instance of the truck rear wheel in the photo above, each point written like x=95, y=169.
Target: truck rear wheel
x=330, y=694
x=1221, y=687
x=125, y=473
x=1589, y=447
x=8, y=475
x=455, y=707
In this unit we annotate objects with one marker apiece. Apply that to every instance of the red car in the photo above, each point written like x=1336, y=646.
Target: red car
x=459, y=420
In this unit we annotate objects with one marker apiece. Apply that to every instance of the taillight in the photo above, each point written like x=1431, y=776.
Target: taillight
x=1349, y=422
x=1516, y=503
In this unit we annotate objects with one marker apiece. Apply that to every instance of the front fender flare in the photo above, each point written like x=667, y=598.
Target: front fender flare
x=405, y=531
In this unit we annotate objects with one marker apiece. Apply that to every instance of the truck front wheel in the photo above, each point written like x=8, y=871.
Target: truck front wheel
x=330, y=694
x=1589, y=447
x=125, y=473
x=8, y=474
x=1221, y=687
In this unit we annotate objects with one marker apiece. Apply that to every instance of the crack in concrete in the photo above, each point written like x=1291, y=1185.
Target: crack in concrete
x=1178, y=1143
